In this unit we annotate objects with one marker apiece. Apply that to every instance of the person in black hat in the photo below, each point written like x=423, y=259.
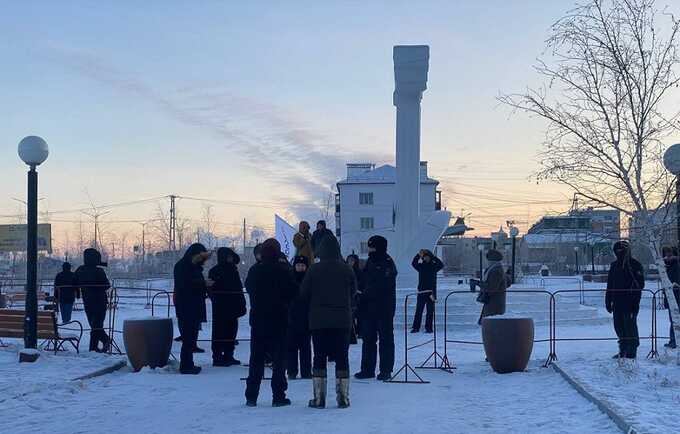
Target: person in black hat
x=190, y=290
x=378, y=302
x=319, y=235
x=625, y=282
x=228, y=305
x=493, y=286
x=93, y=284
x=299, y=336
x=66, y=291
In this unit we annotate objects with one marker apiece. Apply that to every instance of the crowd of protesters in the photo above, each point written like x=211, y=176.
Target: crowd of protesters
x=323, y=302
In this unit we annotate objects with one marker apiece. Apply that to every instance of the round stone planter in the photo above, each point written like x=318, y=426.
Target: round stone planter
x=508, y=342
x=147, y=341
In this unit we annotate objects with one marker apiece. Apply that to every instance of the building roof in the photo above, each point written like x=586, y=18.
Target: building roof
x=386, y=174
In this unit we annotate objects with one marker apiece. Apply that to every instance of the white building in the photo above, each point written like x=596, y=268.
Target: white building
x=366, y=204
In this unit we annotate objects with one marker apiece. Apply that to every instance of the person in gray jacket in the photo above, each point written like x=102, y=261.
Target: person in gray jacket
x=328, y=289
x=493, y=286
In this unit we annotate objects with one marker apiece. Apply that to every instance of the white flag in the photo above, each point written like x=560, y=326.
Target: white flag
x=284, y=235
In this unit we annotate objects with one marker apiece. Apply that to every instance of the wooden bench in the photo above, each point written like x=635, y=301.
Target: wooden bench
x=16, y=298
x=12, y=326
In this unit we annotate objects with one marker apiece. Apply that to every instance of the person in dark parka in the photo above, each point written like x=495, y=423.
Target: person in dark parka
x=672, y=262
x=493, y=286
x=376, y=309
x=66, y=291
x=427, y=265
x=228, y=305
x=625, y=282
x=93, y=285
x=299, y=336
x=271, y=287
x=354, y=263
x=329, y=288
x=190, y=290
x=320, y=234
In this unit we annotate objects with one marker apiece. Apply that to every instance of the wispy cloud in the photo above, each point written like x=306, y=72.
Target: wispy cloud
x=306, y=161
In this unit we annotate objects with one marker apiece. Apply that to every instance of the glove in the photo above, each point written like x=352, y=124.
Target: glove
x=610, y=307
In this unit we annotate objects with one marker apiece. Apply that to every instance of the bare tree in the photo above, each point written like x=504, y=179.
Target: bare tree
x=609, y=70
x=327, y=206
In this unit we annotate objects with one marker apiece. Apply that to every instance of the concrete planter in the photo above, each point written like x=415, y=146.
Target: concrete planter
x=148, y=341
x=508, y=342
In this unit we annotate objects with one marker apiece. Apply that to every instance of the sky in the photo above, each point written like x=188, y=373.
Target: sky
x=257, y=106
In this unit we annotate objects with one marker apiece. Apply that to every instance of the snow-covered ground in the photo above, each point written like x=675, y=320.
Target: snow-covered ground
x=472, y=399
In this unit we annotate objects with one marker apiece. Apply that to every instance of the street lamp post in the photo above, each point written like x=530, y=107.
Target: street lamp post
x=481, y=260
x=513, y=233
x=576, y=258
x=33, y=151
x=671, y=159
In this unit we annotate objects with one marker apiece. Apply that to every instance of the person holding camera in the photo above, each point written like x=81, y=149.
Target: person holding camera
x=93, y=284
x=625, y=282
x=427, y=265
x=493, y=286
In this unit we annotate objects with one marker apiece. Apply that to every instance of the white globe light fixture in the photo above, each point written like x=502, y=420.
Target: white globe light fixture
x=514, y=231
x=33, y=150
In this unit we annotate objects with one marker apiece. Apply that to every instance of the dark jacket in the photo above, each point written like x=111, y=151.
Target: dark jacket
x=625, y=281
x=318, y=236
x=226, y=294
x=494, y=285
x=427, y=273
x=298, y=313
x=329, y=288
x=271, y=287
x=92, y=281
x=66, y=286
x=190, y=288
x=379, y=296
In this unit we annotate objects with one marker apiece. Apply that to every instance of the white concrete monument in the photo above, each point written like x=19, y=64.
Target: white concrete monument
x=412, y=231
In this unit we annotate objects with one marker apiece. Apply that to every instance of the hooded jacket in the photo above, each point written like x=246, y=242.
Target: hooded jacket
x=226, y=295
x=379, y=296
x=92, y=280
x=271, y=287
x=625, y=282
x=190, y=288
x=66, y=285
x=329, y=288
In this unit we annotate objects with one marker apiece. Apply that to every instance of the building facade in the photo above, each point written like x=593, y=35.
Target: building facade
x=365, y=204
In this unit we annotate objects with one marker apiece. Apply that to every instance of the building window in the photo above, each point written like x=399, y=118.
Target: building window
x=365, y=198
x=366, y=222
x=363, y=247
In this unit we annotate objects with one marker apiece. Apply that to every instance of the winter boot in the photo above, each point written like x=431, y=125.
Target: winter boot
x=319, y=386
x=342, y=389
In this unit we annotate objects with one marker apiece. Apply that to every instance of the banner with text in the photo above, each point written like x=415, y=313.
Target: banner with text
x=13, y=238
x=284, y=235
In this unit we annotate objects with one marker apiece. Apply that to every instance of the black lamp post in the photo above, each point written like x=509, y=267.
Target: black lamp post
x=576, y=258
x=513, y=233
x=33, y=151
x=481, y=260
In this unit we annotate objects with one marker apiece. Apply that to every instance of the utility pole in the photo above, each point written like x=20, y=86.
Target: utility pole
x=244, y=237
x=173, y=224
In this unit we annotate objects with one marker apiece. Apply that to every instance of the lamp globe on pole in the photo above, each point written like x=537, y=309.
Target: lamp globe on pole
x=671, y=159
x=33, y=151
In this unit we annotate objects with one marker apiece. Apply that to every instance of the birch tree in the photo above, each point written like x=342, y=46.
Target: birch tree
x=610, y=74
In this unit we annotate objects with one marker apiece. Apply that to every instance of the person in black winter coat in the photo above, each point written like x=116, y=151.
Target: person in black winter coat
x=625, y=282
x=190, y=290
x=299, y=336
x=319, y=234
x=354, y=263
x=228, y=305
x=376, y=308
x=670, y=258
x=93, y=284
x=66, y=291
x=271, y=287
x=427, y=265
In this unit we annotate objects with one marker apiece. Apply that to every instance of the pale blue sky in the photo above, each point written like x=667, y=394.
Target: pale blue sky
x=264, y=100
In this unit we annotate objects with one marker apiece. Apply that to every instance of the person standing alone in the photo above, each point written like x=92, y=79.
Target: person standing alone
x=625, y=283
x=228, y=305
x=376, y=310
x=93, y=283
x=66, y=291
x=427, y=265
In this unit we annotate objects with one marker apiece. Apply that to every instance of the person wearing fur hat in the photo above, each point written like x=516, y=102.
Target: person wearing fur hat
x=493, y=286
x=377, y=306
x=271, y=287
x=299, y=336
x=228, y=305
x=625, y=282
x=303, y=242
x=93, y=284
